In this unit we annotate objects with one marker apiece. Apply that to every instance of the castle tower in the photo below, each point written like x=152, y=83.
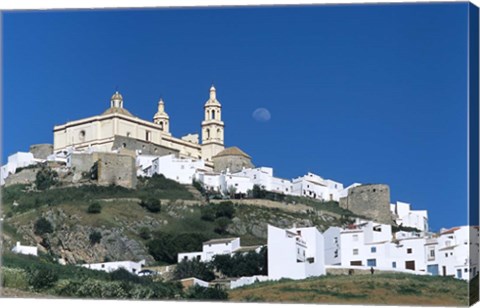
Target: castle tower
x=161, y=117
x=212, y=127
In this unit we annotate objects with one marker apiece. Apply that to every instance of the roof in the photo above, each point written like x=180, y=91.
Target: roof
x=220, y=241
x=232, y=151
x=117, y=110
x=451, y=230
x=248, y=248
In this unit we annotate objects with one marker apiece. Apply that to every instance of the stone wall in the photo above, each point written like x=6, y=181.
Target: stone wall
x=235, y=163
x=113, y=168
x=41, y=151
x=25, y=176
x=147, y=148
x=372, y=201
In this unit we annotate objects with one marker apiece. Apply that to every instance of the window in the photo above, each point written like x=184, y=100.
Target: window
x=466, y=270
x=373, y=249
x=394, y=264
x=446, y=255
x=371, y=262
x=148, y=135
x=432, y=253
x=355, y=252
x=213, y=114
x=81, y=135
x=409, y=250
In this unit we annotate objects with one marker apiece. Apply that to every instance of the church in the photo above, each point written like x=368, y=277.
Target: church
x=118, y=129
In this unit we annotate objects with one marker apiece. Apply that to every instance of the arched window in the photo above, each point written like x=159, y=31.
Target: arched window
x=208, y=133
x=219, y=133
x=213, y=114
x=161, y=125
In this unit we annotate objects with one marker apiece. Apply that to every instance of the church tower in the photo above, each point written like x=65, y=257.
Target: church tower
x=212, y=127
x=161, y=118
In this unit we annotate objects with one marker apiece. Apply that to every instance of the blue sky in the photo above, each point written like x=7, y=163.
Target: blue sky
x=356, y=93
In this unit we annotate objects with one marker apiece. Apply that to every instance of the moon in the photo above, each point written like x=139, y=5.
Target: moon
x=261, y=115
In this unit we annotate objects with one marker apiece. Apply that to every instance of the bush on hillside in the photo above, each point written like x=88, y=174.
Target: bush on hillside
x=42, y=226
x=94, y=208
x=221, y=225
x=144, y=233
x=45, y=178
x=194, y=268
x=151, y=204
x=165, y=247
x=95, y=237
x=249, y=264
x=211, y=293
x=41, y=277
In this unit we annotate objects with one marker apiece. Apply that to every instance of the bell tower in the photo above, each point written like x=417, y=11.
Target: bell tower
x=161, y=118
x=212, y=127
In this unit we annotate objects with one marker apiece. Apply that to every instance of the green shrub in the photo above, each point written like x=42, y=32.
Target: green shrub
x=165, y=247
x=151, y=204
x=95, y=237
x=45, y=178
x=221, y=225
x=41, y=277
x=42, y=226
x=144, y=233
x=212, y=293
x=208, y=212
x=94, y=208
x=194, y=268
x=14, y=278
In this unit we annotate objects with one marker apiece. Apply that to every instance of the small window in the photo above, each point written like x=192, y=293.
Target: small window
x=394, y=264
x=466, y=270
x=373, y=249
x=409, y=250
x=355, y=252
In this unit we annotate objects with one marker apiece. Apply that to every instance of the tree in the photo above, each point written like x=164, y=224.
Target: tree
x=194, y=268
x=258, y=192
x=144, y=233
x=42, y=226
x=221, y=225
x=95, y=237
x=94, y=208
x=198, y=292
x=151, y=204
x=208, y=212
x=45, y=178
x=225, y=209
x=41, y=277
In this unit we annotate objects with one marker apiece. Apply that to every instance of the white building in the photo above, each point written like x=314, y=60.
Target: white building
x=130, y=266
x=333, y=251
x=15, y=161
x=222, y=246
x=457, y=252
x=25, y=250
x=314, y=186
x=295, y=253
x=181, y=170
x=224, y=182
x=264, y=178
x=245, y=281
x=409, y=218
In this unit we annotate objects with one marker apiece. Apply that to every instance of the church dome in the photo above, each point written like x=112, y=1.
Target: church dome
x=117, y=96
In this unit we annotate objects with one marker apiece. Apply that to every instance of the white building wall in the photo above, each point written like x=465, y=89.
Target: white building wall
x=242, y=184
x=25, y=250
x=17, y=160
x=130, y=266
x=331, y=238
x=296, y=253
x=210, y=250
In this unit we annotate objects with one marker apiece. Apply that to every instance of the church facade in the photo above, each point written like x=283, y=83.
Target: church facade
x=117, y=128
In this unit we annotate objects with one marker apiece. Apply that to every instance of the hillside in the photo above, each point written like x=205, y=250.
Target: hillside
x=125, y=228
x=377, y=289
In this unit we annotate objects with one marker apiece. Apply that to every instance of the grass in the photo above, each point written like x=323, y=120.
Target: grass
x=385, y=289
x=156, y=187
